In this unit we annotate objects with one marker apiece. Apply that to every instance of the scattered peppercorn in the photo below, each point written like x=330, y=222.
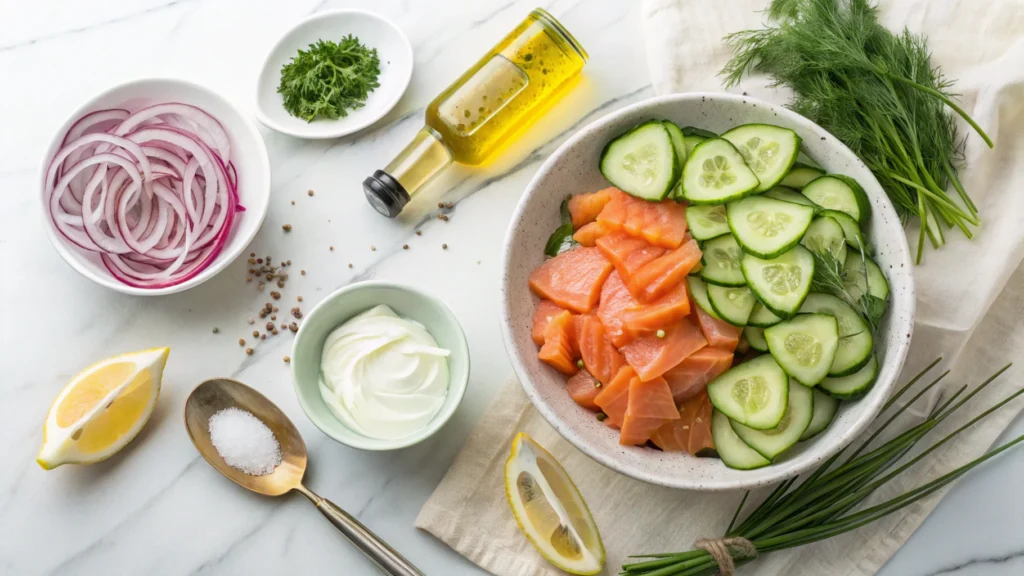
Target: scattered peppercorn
x=273, y=316
x=249, y=351
x=601, y=416
x=310, y=192
x=252, y=254
x=293, y=327
x=284, y=326
x=349, y=264
x=373, y=248
x=419, y=232
x=440, y=204
x=216, y=330
x=444, y=246
x=299, y=298
x=287, y=360
x=275, y=295
x=263, y=336
x=287, y=227
x=270, y=325
x=293, y=202
x=255, y=333
x=241, y=342
x=259, y=260
x=297, y=312
x=405, y=246
x=303, y=272
x=280, y=283
x=332, y=248
x=275, y=309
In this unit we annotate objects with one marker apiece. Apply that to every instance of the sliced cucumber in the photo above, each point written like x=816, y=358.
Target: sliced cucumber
x=699, y=293
x=642, y=162
x=853, y=386
x=706, y=222
x=790, y=195
x=855, y=339
x=782, y=283
x=770, y=151
x=835, y=192
x=825, y=408
x=733, y=451
x=854, y=238
x=755, y=337
x=798, y=416
x=721, y=262
x=762, y=317
x=677, y=142
x=801, y=175
x=805, y=346
x=715, y=173
x=753, y=393
x=733, y=304
x=863, y=276
x=691, y=142
x=825, y=237
x=766, y=227
x=698, y=132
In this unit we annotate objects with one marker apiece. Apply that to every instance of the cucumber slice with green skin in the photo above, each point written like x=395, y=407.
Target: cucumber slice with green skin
x=835, y=192
x=721, y=262
x=863, y=276
x=855, y=339
x=754, y=393
x=762, y=317
x=678, y=144
x=699, y=293
x=733, y=451
x=642, y=162
x=715, y=173
x=853, y=386
x=698, y=132
x=770, y=151
x=801, y=175
x=732, y=304
x=755, y=337
x=782, y=283
x=798, y=416
x=790, y=195
x=691, y=143
x=766, y=227
x=706, y=222
x=854, y=238
x=825, y=409
x=805, y=346
x=826, y=237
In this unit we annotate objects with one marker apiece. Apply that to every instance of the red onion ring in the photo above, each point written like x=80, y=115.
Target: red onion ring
x=154, y=192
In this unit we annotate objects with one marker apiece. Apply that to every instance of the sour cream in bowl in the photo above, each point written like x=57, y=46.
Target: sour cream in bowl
x=380, y=366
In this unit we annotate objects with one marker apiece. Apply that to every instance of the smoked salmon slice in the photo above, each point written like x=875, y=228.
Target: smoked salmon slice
x=719, y=333
x=627, y=253
x=584, y=208
x=615, y=299
x=546, y=310
x=656, y=277
x=662, y=313
x=651, y=356
x=588, y=234
x=700, y=441
x=583, y=389
x=691, y=376
x=660, y=223
x=650, y=406
x=572, y=279
x=672, y=436
x=613, y=399
x=558, y=349
x=600, y=357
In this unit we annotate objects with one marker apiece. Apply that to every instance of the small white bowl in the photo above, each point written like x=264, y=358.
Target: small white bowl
x=573, y=169
x=396, y=62
x=248, y=153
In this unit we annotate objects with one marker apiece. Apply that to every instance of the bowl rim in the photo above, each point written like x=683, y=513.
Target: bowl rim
x=790, y=468
x=457, y=386
x=62, y=245
x=344, y=128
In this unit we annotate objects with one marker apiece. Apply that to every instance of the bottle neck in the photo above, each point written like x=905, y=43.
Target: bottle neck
x=419, y=161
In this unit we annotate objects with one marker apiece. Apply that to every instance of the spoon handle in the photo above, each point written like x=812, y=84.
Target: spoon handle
x=378, y=551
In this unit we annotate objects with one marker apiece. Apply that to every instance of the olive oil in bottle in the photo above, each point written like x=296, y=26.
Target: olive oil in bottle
x=474, y=117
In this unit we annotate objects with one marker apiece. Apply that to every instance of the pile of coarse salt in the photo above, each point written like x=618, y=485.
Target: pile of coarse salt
x=244, y=442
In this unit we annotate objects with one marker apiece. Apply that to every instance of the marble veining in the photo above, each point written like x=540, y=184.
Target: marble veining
x=157, y=508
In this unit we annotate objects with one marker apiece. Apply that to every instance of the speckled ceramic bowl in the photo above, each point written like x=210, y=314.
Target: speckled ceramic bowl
x=573, y=169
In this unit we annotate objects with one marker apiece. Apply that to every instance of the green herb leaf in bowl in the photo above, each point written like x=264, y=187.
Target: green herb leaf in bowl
x=329, y=78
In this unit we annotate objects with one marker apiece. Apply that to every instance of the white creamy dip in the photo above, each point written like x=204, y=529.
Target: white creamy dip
x=384, y=376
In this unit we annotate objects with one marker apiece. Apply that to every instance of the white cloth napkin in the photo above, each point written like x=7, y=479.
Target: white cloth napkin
x=970, y=303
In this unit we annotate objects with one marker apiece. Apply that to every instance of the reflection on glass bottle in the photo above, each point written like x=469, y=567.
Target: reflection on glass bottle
x=475, y=116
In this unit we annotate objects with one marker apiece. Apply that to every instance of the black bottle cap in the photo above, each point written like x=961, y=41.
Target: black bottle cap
x=385, y=193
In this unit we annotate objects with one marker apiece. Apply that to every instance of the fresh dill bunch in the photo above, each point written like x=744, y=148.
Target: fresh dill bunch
x=329, y=78
x=877, y=92
x=830, y=277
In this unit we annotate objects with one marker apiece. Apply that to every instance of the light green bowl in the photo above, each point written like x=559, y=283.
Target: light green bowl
x=346, y=303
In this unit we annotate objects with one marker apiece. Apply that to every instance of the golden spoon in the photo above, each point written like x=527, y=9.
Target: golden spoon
x=214, y=395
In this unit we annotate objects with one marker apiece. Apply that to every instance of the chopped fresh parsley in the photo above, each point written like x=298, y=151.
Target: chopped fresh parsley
x=329, y=79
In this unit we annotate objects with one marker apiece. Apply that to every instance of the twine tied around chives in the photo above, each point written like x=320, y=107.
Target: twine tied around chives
x=722, y=550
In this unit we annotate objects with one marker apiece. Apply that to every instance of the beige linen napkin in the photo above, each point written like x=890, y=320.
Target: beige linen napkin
x=970, y=303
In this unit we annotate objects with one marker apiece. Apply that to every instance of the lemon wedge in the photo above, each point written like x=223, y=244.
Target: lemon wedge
x=550, y=510
x=102, y=409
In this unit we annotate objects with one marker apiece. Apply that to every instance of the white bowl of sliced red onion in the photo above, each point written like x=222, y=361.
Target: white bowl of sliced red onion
x=154, y=186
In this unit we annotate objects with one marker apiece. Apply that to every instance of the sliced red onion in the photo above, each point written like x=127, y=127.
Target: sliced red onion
x=154, y=192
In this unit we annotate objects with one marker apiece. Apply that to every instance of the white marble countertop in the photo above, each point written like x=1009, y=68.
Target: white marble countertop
x=157, y=508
